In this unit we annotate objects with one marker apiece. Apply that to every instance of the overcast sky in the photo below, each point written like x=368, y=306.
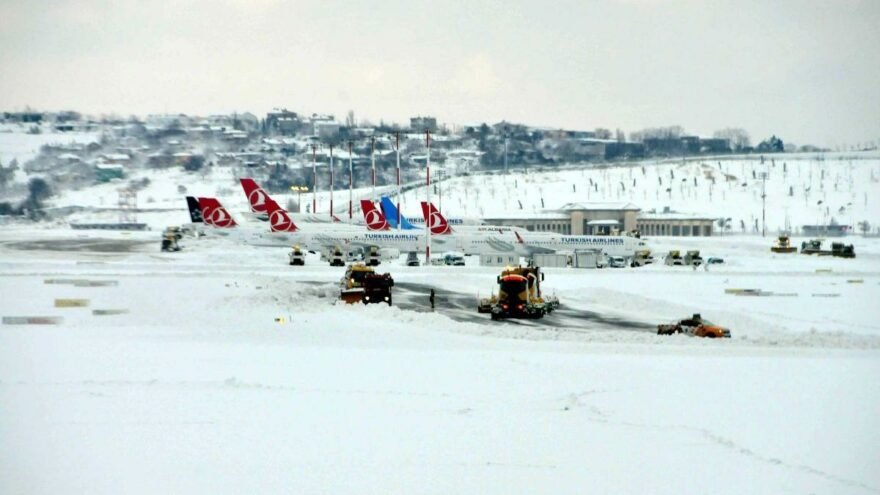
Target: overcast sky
x=808, y=71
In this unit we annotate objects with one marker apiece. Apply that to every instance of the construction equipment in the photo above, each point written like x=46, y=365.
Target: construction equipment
x=362, y=284
x=838, y=249
x=693, y=258
x=519, y=295
x=695, y=326
x=297, y=256
x=783, y=245
x=642, y=258
x=674, y=258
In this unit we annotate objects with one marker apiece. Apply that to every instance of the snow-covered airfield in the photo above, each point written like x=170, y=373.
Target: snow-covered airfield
x=232, y=372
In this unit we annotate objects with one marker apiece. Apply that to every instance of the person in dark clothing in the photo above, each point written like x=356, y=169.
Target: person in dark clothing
x=431, y=298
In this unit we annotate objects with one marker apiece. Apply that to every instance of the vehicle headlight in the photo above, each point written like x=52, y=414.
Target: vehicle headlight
x=386, y=298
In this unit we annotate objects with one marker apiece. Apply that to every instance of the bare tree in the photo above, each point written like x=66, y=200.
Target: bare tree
x=349, y=119
x=738, y=137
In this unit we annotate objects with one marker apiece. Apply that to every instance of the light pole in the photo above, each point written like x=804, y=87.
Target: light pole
x=314, y=182
x=397, y=148
x=428, y=189
x=373, y=164
x=299, y=190
x=331, y=183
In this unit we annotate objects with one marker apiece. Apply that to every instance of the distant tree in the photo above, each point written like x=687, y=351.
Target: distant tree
x=349, y=119
x=39, y=190
x=772, y=145
x=621, y=137
x=6, y=174
x=739, y=138
x=194, y=163
x=6, y=208
x=864, y=226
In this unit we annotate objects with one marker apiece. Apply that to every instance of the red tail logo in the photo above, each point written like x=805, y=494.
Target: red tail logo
x=257, y=197
x=374, y=218
x=435, y=220
x=214, y=214
x=279, y=220
x=519, y=238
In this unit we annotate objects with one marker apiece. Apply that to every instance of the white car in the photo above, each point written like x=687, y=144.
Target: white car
x=616, y=261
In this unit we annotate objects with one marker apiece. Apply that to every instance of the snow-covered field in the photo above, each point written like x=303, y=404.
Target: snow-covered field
x=232, y=372
x=228, y=371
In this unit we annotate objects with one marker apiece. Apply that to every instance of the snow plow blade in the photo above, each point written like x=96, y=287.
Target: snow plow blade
x=352, y=296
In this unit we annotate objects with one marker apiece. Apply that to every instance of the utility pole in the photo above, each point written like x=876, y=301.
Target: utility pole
x=763, y=204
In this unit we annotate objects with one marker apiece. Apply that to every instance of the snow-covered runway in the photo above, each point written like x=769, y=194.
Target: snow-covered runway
x=229, y=373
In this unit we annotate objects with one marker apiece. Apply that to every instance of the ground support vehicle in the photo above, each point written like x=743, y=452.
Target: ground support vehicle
x=642, y=258
x=693, y=258
x=362, y=284
x=336, y=257
x=169, y=241
x=783, y=245
x=519, y=295
x=695, y=326
x=297, y=256
x=842, y=250
x=674, y=258
x=372, y=257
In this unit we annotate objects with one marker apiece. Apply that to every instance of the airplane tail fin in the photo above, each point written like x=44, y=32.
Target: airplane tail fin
x=195, y=212
x=374, y=218
x=435, y=220
x=279, y=220
x=215, y=215
x=257, y=197
x=392, y=214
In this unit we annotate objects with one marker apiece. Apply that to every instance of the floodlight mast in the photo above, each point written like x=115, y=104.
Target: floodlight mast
x=428, y=223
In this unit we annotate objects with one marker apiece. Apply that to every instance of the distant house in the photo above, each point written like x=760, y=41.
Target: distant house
x=115, y=159
x=617, y=150
x=326, y=129
x=714, y=145
x=423, y=124
x=106, y=173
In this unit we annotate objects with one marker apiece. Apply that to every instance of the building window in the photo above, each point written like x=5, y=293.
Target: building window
x=676, y=230
x=695, y=230
x=707, y=230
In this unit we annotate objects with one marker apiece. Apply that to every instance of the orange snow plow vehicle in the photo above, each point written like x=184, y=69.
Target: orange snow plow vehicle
x=696, y=326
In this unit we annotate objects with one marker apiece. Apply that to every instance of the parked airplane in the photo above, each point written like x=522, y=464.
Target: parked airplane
x=439, y=225
x=392, y=214
x=541, y=242
x=258, y=197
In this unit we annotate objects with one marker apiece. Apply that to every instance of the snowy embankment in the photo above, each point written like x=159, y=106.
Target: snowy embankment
x=232, y=371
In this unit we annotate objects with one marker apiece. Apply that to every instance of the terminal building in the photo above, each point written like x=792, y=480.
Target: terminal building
x=604, y=218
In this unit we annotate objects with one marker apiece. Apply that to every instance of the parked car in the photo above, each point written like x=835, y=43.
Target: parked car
x=616, y=261
x=715, y=261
